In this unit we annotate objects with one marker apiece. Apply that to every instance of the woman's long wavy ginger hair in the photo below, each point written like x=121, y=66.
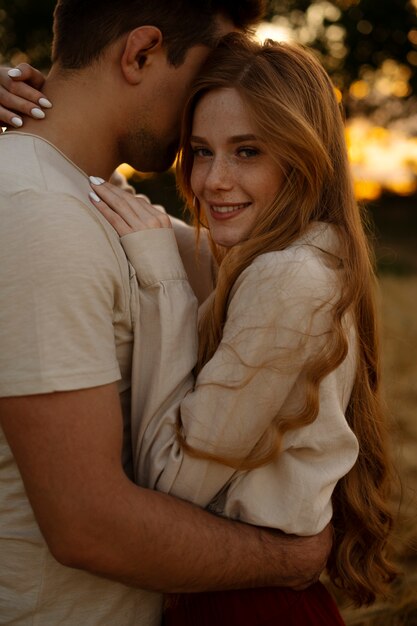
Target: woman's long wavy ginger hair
x=294, y=107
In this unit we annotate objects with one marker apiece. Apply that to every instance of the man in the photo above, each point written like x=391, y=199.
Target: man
x=78, y=539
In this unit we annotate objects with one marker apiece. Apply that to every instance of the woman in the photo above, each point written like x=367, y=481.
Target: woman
x=281, y=423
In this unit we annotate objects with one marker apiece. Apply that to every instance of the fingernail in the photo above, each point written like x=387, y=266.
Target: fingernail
x=94, y=196
x=38, y=114
x=96, y=180
x=16, y=121
x=142, y=195
x=14, y=73
x=44, y=102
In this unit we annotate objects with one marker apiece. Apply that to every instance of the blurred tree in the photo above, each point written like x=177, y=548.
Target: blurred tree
x=353, y=37
x=25, y=31
x=377, y=31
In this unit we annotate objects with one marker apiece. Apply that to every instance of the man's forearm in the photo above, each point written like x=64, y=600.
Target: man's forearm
x=174, y=546
x=67, y=447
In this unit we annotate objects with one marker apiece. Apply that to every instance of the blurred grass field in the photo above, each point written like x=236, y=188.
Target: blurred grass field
x=398, y=298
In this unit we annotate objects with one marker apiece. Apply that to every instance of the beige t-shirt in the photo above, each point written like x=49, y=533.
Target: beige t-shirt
x=67, y=303
x=278, y=318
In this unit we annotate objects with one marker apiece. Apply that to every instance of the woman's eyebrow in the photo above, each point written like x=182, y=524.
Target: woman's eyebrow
x=197, y=139
x=233, y=139
x=240, y=138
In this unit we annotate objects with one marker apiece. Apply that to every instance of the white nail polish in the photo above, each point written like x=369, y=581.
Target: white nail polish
x=94, y=196
x=16, y=121
x=14, y=73
x=44, y=102
x=38, y=114
x=96, y=180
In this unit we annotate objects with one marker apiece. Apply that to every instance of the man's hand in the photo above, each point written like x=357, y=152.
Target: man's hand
x=306, y=556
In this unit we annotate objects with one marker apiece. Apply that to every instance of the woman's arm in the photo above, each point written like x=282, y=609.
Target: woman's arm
x=277, y=319
x=267, y=339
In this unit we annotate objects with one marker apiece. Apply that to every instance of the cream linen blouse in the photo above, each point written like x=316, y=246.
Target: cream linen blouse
x=278, y=318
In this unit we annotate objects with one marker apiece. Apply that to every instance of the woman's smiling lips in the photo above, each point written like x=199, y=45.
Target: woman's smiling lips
x=227, y=210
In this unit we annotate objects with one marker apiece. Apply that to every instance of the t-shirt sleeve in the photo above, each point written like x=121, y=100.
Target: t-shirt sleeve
x=58, y=284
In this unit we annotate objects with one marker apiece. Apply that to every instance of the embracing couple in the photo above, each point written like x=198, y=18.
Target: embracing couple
x=221, y=454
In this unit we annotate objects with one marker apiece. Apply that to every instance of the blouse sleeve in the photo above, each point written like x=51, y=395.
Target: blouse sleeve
x=278, y=318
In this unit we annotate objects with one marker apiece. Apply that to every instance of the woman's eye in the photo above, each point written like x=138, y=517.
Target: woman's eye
x=248, y=152
x=201, y=152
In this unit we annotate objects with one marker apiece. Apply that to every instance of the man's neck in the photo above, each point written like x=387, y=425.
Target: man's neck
x=79, y=124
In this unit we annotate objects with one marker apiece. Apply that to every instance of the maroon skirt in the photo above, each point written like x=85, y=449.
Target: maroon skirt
x=271, y=606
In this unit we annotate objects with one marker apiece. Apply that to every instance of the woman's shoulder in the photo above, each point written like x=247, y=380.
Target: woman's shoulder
x=295, y=282
x=311, y=261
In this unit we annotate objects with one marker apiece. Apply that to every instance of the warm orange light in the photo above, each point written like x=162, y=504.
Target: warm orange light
x=379, y=134
x=338, y=94
x=412, y=36
x=359, y=89
x=401, y=89
x=404, y=188
x=367, y=190
x=126, y=170
x=381, y=159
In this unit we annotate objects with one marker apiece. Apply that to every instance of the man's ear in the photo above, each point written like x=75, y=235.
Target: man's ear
x=140, y=44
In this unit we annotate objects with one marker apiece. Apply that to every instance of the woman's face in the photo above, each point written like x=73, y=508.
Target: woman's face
x=234, y=175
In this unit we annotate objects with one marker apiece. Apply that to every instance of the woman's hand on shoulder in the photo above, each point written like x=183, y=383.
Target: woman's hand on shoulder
x=126, y=212
x=20, y=95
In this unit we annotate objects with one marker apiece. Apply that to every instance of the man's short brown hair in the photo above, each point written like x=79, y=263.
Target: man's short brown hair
x=84, y=28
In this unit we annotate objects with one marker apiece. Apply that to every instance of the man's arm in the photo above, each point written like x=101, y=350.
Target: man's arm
x=68, y=447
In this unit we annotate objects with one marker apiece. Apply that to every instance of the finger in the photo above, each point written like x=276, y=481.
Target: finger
x=24, y=90
x=156, y=206
x=120, y=180
x=113, y=218
x=134, y=210
x=9, y=118
x=118, y=201
x=19, y=82
x=159, y=207
x=143, y=197
x=14, y=104
x=30, y=75
x=139, y=214
x=154, y=215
